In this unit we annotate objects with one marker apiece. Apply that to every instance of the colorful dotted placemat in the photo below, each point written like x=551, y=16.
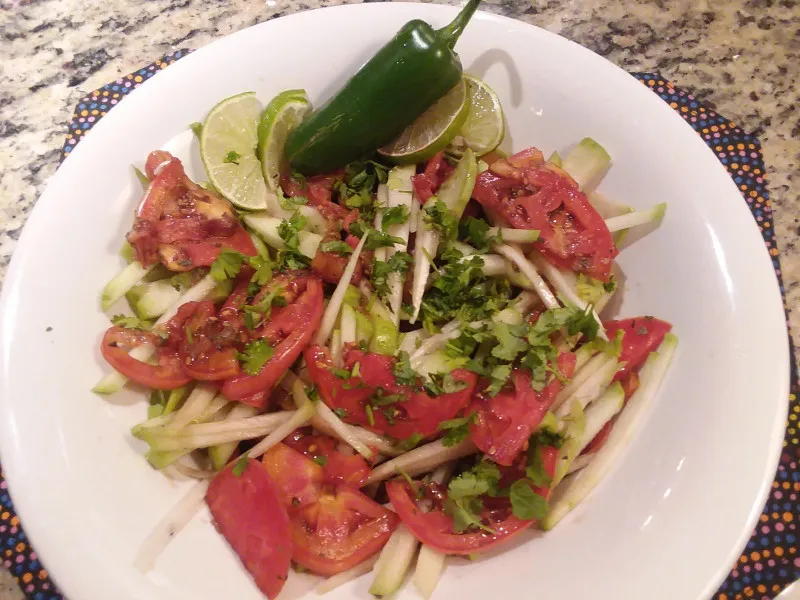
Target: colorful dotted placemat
x=770, y=561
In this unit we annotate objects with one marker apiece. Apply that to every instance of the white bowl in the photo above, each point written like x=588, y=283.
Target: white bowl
x=668, y=522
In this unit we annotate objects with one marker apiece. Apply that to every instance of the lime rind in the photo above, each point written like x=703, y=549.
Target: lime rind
x=228, y=149
x=284, y=112
x=484, y=127
x=432, y=131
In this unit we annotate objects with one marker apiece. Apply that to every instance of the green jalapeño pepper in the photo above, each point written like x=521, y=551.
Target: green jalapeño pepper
x=407, y=76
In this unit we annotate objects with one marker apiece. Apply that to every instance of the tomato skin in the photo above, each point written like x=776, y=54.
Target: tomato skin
x=418, y=413
x=207, y=346
x=330, y=266
x=297, y=322
x=337, y=467
x=641, y=336
x=247, y=511
x=181, y=224
x=341, y=530
x=504, y=423
x=427, y=183
x=528, y=193
x=167, y=375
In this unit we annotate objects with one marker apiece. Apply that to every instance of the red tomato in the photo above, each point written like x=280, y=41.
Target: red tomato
x=166, y=375
x=289, y=330
x=207, y=348
x=330, y=266
x=427, y=183
x=413, y=411
x=528, y=193
x=247, y=511
x=435, y=528
x=504, y=423
x=641, y=336
x=180, y=223
x=299, y=478
x=342, y=529
x=333, y=528
x=317, y=190
x=337, y=466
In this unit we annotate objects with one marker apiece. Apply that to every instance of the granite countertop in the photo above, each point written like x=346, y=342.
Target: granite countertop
x=743, y=56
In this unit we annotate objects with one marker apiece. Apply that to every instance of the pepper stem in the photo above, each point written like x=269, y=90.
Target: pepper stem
x=450, y=33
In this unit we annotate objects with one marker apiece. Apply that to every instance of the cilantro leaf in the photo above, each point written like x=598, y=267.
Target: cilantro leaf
x=336, y=246
x=377, y=239
x=403, y=373
x=321, y=460
x=255, y=356
x=263, y=269
x=441, y=218
x=396, y=215
x=357, y=188
x=130, y=322
x=232, y=157
x=509, y=341
x=481, y=479
x=525, y=503
x=476, y=232
x=340, y=412
x=227, y=265
x=456, y=430
x=380, y=398
x=410, y=442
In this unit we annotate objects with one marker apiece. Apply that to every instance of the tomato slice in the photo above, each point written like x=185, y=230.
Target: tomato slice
x=207, y=348
x=528, y=193
x=166, y=375
x=342, y=529
x=248, y=512
x=641, y=336
x=334, y=527
x=427, y=183
x=504, y=423
x=289, y=330
x=299, y=478
x=337, y=466
x=317, y=190
x=403, y=410
x=435, y=528
x=180, y=223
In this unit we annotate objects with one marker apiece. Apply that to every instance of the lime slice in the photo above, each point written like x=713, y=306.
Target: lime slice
x=483, y=130
x=284, y=112
x=433, y=129
x=228, y=149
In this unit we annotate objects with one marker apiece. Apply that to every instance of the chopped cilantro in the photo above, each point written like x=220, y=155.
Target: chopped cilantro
x=397, y=263
x=476, y=232
x=337, y=247
x=290, y=256
x=232, y=157
x=510, y=340
x=377, y=239
x=340, y=412
x=130, y=322
x=358, y=187
x=370, y=415
x=227, y=265
x=463, y=502
x=263, y=269
x=341, y=373
x=321, y=460
x=525, y=503
x=438, y=384
x=441, y=218
x=381, y=398
x=255, y=356
x=313, y=393
x=263, y=308
x=240, y=465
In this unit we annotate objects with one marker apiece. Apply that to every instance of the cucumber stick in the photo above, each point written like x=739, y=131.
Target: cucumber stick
x=115, y=289
x=151, y=300
x=392, y=566
x=577, y=487
x=385, y=332
x=221, y=453
x=268, y=228
x=587, y=164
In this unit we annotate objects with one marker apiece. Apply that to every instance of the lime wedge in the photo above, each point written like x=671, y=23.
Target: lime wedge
x=432, y=130
x=284, y=112
x=228, y=149
x=483, y=130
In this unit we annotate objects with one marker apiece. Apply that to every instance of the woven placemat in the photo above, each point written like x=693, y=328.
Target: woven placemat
x=770, y=561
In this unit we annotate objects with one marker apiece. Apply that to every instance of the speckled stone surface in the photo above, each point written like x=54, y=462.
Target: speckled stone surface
x=741, y=55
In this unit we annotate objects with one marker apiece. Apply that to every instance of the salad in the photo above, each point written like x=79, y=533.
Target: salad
x=373, y=363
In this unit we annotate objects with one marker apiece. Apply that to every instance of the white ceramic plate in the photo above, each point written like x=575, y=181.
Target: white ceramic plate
x=667, y=524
